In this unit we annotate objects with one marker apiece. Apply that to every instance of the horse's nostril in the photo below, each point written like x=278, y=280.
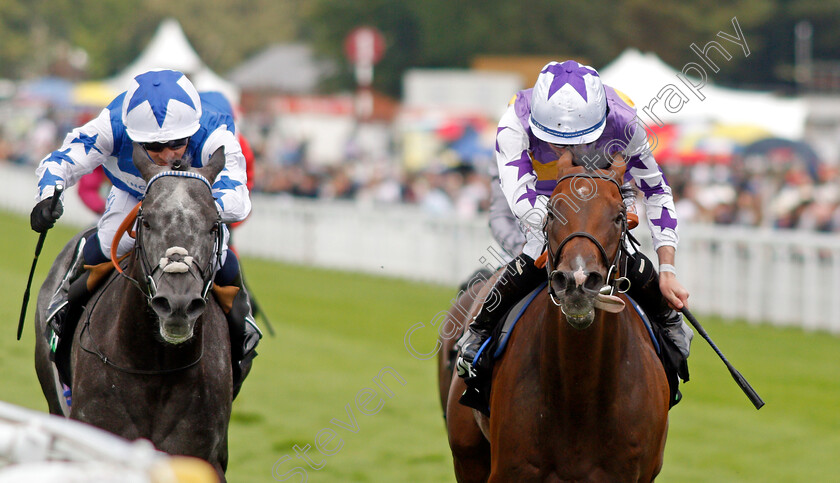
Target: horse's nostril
x=594, y=281
x=195, y=307
x=559, y=281
x=161, y=306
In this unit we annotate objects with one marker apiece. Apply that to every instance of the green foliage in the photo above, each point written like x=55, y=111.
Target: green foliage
x=114, y=32
x=451, y=34
x=432, y=33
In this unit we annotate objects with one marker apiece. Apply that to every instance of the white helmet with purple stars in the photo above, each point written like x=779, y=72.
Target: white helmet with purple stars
x=568, y=104
x=160, y=106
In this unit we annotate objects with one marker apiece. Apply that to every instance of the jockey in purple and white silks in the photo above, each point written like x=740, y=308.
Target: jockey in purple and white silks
x=162, y=112
x=570, y=110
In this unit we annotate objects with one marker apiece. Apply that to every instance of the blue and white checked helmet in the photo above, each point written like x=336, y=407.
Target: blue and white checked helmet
x=160, y=106
x=568, y=104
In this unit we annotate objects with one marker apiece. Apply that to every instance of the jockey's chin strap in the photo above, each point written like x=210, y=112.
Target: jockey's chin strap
x=150, y=273
x=615, y=281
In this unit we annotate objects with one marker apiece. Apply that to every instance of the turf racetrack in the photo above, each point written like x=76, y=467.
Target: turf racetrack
x=339, y=373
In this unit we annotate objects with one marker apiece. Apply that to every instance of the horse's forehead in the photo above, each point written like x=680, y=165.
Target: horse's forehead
x=584, y=190
x=178, y=197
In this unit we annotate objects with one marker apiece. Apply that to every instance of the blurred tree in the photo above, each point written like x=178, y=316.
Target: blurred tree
x=431, y=33
x=441, y=33
x=114, y=32
x=329, y=22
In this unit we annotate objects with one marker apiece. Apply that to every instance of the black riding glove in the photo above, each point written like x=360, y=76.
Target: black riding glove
x=42, y=218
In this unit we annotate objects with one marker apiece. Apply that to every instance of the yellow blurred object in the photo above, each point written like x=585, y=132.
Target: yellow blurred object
x=741, y=133
x=93, y=94
x=183, y=469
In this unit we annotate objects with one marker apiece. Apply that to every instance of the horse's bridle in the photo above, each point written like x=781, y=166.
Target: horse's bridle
x=152, y=273
x=149, y=289
x=554, y=258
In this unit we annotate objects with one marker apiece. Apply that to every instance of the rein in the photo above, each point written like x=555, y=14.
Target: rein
x=98, y=353
x=149, y=290
x=613, y=278
x=135, y=216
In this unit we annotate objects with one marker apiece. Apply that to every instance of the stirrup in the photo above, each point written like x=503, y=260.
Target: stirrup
x=53, y=310
x=61, y=296
x=252, y=338
x=468, y=364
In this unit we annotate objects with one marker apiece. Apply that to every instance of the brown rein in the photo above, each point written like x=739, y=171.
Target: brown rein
x=125, y=227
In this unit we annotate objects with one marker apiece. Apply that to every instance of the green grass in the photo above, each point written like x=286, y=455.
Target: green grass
x=337, y=331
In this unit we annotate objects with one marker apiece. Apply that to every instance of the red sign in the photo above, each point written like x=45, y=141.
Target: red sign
x=364, y=45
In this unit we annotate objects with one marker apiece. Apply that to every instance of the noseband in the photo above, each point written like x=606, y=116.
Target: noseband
x=554, y=258
x=175, y=259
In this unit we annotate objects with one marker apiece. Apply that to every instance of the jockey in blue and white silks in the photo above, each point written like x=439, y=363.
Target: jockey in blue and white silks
x=164, y=114
x=569, y=111
x=105, y=141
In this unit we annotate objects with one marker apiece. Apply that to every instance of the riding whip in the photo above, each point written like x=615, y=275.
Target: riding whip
x=56, y=195
x=739, y=379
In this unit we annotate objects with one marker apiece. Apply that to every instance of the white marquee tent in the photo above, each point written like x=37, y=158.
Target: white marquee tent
x=170, y=49
x=643, y=76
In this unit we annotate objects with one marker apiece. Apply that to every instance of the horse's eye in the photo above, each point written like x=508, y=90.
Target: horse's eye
x=146, y=224
x=619, y=219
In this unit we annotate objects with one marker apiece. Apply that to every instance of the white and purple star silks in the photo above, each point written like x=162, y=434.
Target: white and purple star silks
x=104, y=141
x=528, y=166
x=569, y=72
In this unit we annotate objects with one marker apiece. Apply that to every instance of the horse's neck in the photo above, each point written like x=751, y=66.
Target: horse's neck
x=581, y=364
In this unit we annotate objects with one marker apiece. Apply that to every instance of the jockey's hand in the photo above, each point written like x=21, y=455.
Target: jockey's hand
x=672, y=290
x=42, y=218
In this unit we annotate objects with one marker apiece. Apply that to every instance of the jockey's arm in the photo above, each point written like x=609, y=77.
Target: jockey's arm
x=83, y=149
x=230, y=187
x=671, y=288
x=516, y=173
x=661, y=214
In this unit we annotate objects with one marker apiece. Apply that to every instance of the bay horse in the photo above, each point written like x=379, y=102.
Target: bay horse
x=580, y=393
x=151, y=353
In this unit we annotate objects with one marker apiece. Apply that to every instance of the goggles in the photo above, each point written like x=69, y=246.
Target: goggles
x=158, y=147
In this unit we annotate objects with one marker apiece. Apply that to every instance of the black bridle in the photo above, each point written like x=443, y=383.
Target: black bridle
x=94, y=348
x=152, y=273
x=553, y=259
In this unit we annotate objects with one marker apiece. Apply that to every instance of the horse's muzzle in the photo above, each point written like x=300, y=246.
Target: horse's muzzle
x=576, y=294
x=567, y=282
x=177, y=315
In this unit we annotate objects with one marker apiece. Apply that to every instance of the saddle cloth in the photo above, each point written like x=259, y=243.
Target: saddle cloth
x=515, y=313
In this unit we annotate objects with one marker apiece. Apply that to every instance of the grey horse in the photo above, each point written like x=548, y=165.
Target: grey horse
x=150, y=356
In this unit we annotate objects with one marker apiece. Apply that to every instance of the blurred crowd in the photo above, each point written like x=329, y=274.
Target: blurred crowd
x=461, y=191
x=776, y=190
x=792, y=196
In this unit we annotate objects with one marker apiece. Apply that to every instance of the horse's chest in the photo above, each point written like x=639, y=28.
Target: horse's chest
x=184, y=419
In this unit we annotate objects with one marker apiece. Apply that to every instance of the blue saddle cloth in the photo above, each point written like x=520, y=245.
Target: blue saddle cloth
x=516, y=312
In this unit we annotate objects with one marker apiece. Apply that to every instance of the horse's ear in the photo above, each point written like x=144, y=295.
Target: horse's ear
x=564, y=163
x=618, y=167
x=143, y=163
x=214, y=165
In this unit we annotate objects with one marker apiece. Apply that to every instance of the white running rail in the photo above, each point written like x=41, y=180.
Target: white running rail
x=789, y=278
